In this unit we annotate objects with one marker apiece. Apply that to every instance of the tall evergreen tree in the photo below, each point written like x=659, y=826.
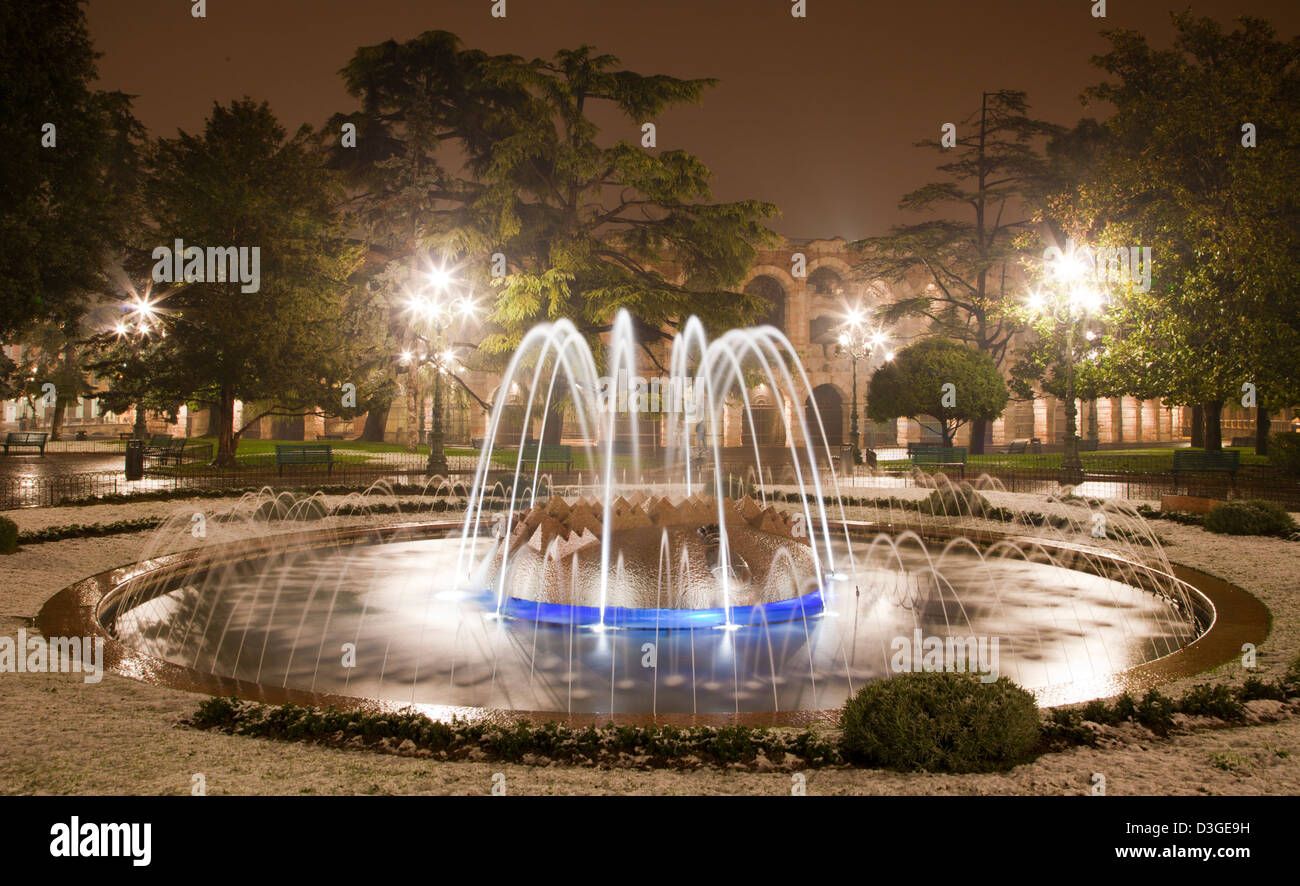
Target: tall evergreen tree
x=244, y=183
x=66, y=176
x=968, y=260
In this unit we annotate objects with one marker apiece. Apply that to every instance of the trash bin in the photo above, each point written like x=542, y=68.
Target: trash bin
x=134, y=459
x=847, y=459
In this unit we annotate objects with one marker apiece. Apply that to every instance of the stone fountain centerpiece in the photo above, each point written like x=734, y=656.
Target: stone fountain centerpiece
x=669, y=552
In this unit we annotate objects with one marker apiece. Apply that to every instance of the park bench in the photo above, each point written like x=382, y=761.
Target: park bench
x=939, y=456
x=1244, y=441
x=551, y=455
x=164, y=447
x=304, y=454
x=1198, y=461
x=1017, y=447
x=26, y=439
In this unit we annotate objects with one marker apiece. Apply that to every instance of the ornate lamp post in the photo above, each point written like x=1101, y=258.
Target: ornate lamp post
x=435, y=311
x=1068, y=299
x=859, y=340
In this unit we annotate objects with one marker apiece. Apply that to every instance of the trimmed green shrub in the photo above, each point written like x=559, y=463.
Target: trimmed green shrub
x=8, y=536
x=955, y=501
x=940, y=722
x=1284, y=453
x=1250, y=518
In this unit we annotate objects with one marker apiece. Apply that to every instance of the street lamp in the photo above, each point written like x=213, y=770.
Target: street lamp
x=859, y=339
x=436, y=310
x=141, y=319
x=1068, y=299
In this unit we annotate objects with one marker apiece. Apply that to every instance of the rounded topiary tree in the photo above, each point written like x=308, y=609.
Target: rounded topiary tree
x=940, y=378
x=940, y=722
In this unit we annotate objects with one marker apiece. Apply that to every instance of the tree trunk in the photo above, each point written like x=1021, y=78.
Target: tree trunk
x=554, y=426
x=1213, y=426
x=376, y=421
x=56, y=420
x=1263, y=423
x=1198, y=426
x=978, y=431
x=226, y=440
x=948, y=432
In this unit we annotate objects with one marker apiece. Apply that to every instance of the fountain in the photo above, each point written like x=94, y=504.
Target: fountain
x=666, y=574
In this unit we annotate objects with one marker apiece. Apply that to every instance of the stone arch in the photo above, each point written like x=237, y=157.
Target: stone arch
x=824, y=279
x=830, y=404
x=771, y=289
x=767, y=407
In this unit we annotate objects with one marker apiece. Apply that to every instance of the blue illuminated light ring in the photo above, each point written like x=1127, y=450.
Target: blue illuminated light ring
x=627, y=618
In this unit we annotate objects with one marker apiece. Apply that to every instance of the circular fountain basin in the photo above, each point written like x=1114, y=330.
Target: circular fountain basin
x=272, y=621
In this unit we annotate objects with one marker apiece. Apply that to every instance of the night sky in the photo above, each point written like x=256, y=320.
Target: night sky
x=816, y=115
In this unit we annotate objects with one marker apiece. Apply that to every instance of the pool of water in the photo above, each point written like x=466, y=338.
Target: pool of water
x=385, y=621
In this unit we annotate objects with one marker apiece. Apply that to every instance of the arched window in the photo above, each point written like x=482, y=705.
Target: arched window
x=830, y=406
x=768, y=428
x=824, y=281
x=771, y=289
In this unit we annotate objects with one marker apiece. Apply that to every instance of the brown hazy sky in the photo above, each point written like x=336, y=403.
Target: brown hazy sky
x=816, y=115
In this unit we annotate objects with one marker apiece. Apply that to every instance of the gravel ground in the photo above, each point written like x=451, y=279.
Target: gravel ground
x=61, y=736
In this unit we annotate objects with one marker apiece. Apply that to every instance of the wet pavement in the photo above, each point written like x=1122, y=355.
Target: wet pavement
x=56, y=464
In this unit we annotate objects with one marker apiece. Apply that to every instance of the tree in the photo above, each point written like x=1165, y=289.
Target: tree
x=292, y=343
x=587, y=228
x=67, y=189
x=1222, y=218
x=581, y=227
x=416, y=98
x=969, y=263
x=916, y=383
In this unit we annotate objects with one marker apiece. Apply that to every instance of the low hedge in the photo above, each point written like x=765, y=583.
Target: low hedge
x=523, y=741
x=1251, y=517
x=1156, y=711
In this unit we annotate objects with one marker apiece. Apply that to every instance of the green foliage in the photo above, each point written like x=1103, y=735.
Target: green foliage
x=8, y=536
x=523, y=741
x=1220, y=218
x=1284, y=453
x=586, y=224
x=1253, y=688
x=966, y=258
x=911, y=385
x=1253, y=517
x=1209, y=700
x=1156, y=712
x=1292, y=678
x=940, y=722
x=68, y=206
x=285, y=349
x=87, y=530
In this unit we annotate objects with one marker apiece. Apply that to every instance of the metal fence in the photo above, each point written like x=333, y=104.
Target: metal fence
x=45, y=489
